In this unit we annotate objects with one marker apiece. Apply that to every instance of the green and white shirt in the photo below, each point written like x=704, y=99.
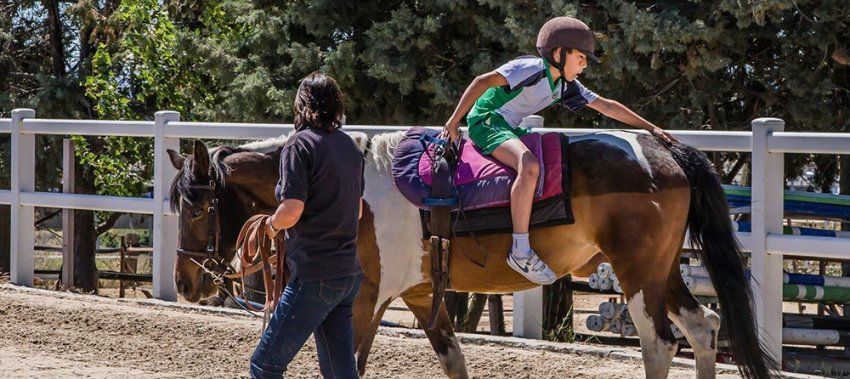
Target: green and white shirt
x=530, y=89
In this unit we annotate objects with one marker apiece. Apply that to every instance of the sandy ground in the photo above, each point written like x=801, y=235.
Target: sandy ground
x=42, y=335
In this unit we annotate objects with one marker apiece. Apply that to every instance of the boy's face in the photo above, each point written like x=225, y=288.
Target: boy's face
x=576, y=62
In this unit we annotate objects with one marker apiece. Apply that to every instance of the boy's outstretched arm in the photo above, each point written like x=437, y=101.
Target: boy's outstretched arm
x=622, y=113
x=480, y=84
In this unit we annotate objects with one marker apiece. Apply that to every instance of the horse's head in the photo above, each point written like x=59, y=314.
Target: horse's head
x=215, y=192
x=196, y=195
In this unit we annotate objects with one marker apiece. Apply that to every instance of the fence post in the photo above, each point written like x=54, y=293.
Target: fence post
x=528, y=313
x=23, y=217
x=528, y=305
x=767, y=214
x=165, y=231
x=69, y=168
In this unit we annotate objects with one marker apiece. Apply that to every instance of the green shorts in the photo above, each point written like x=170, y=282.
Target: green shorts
x=488, y=132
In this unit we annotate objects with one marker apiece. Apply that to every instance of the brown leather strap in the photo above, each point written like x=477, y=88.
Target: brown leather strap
x=256, y=255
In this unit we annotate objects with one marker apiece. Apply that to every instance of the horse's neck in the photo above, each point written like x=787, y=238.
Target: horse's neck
x=253, y=177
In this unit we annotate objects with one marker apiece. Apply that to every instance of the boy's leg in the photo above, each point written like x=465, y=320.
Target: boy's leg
x=522, y=258
x=514, y=153
x=299, y=313
x=335, y=336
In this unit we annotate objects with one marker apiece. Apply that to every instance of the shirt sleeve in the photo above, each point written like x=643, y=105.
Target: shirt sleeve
x=294, y=181
x=522, y=71
x=577, y=96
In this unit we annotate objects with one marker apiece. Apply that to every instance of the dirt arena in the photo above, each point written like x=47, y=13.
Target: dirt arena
x=45, y=334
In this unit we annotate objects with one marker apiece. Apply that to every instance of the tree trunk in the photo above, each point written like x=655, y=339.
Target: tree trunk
x=253, y=288
x=5, y=238
x=496, y=311
x=85, y=236
x=85, y=241
x=456, y=305
x=844, y=189
x=57, y=49
x=473, y=316
x=557, y=309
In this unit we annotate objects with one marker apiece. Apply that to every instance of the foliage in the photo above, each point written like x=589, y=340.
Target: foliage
x=685, y=65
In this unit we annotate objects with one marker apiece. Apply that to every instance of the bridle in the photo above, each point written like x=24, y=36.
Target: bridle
x=210, y=258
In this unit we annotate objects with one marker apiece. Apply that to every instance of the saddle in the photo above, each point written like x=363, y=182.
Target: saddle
x=461, y=192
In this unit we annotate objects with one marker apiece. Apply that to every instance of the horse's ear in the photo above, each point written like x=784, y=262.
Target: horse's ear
x=177, y=160
x=201, y=160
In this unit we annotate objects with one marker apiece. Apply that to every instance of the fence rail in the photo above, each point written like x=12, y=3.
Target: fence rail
x=768, y=142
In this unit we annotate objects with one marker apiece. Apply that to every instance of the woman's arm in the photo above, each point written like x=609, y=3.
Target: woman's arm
x=286, y=216
x=475, y=89
x=622, y=113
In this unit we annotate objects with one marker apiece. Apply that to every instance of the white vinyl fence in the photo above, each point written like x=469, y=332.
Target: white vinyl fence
x=768, y=141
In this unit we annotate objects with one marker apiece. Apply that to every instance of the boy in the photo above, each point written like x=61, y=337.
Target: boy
x=498, y=101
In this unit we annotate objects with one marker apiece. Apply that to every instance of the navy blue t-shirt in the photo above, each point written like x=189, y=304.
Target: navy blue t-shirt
x=325, y=170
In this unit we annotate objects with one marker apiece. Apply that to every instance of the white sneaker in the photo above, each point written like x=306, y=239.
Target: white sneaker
x=532, y=268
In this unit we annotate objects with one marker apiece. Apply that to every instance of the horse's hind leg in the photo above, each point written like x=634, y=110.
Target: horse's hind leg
x=442, y=338
x=636, y=253
x=698, y=323
x=657, y=343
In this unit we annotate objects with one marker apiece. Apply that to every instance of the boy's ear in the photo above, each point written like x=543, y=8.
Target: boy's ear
x=556, y=55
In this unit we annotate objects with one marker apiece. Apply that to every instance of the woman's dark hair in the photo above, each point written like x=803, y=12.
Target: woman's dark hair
x=318, y=103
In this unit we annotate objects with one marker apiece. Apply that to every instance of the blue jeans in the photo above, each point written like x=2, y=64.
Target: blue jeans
x=321, y=307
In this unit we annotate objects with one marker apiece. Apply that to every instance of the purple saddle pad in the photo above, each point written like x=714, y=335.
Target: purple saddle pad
x=481, y=181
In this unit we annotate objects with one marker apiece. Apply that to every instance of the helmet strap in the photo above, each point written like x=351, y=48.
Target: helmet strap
x=560, y=66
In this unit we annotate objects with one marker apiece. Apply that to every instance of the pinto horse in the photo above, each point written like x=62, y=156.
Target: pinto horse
x=632, y=197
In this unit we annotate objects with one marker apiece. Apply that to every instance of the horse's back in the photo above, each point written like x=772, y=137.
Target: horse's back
x=622, y=162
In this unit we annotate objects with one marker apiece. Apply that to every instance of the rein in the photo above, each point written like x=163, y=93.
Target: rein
x=256, y=255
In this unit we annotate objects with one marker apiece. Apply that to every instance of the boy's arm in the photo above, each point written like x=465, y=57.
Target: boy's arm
x=478, y=86
x=622, y=113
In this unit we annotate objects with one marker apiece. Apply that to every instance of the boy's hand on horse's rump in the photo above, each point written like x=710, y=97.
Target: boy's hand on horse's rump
x=663, y=135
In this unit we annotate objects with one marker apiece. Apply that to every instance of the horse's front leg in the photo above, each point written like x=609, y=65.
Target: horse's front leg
x=442, y=338
x=367, y=318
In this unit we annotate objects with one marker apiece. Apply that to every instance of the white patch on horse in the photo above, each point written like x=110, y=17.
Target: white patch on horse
x=700, y=326
x=626, y=141
x=657, y=353
x=398, y=229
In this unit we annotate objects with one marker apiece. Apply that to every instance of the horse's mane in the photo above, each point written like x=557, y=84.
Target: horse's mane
x=181, y=186
x=381, y=152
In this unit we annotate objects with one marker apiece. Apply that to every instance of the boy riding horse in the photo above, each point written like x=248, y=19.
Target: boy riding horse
x=498, y=101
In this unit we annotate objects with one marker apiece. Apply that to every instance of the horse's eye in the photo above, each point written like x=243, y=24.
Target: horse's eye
x=197, y=213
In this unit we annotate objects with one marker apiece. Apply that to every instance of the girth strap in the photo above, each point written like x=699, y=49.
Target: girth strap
x=441, y=202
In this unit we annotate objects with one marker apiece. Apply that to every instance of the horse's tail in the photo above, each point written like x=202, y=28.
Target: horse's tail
x=711, y=232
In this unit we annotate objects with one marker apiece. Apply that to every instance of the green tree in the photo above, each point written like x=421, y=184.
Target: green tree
x=684, y=65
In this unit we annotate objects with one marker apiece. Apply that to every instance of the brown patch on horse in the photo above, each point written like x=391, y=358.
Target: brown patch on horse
x=367, y=317
x=442, y=337
x=619, y=207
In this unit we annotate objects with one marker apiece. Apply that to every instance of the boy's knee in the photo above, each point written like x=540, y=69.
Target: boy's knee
x=529, y=167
